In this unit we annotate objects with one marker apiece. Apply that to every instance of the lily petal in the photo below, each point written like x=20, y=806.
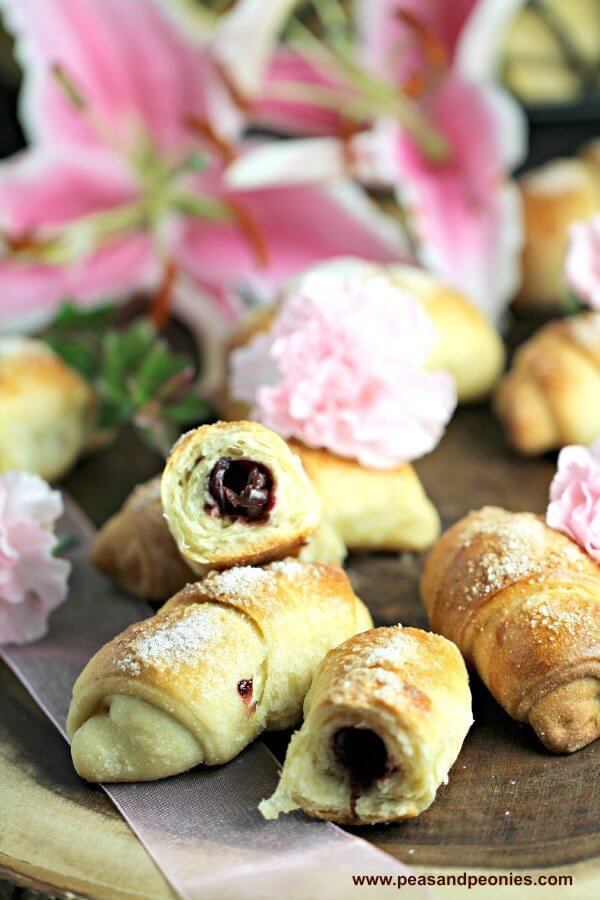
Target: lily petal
x=31, y=293
x=464, y=213
x=291, y=102
x=245, y=40
x=300, y=226
x=41, y=188
x=120, y=58
x=388, y=41
x=479, y=51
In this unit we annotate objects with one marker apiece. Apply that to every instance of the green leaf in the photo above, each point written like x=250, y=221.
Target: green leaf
x=159, y=366
x=188, y=411
x=77, y=355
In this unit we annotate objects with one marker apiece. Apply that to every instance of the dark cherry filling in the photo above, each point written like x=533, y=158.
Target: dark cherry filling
x=363, y=754
x=241, y=489
x=245, y=690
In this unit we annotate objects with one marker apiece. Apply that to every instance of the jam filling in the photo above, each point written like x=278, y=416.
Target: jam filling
x=245, y=690
x=241, y=489
x=364, y=756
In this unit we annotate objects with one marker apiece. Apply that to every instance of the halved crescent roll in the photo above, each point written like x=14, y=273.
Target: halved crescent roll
x=522, y=602
x=223, y=660
x=136, y=549
x=234, y=493
x=371, y=509
x=385, y=719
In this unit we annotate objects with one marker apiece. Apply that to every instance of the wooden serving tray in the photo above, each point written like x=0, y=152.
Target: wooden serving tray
x=509, y=804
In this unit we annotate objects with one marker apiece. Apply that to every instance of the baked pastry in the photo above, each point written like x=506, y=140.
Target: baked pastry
x=234, y=493
x=469, y=347
x=136, y=549
x=46, y=409
x=554, y=196
x=385, y=719
x=522, y=602
x=371, y=509
x=224, y=660
x=551, y=395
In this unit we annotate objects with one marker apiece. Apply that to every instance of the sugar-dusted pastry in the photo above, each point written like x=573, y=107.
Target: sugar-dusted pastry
x=136, y=549
x=522, y=603
x=371, y=509
x=467, y=345
x=224, y=660
x=385, y=719
x=234, y=493
x=46, y=409
x=551, y=395
x=555, y=196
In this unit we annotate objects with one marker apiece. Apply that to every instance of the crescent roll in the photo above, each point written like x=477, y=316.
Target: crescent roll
x=136, y=549
x=522, y=602
x=385, y=719
x=46, y=409
x=371, y=509
x=468, y=346
x=554, y=196
x=551, y=395
x=224, y=660
x=234, y=493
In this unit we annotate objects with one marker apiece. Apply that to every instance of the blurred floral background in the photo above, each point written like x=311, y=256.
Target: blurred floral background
x=184, y=159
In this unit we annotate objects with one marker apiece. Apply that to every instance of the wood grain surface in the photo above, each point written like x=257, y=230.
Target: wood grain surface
x=509, y=803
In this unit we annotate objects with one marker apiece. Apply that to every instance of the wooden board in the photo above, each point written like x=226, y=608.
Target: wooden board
x=509, y=804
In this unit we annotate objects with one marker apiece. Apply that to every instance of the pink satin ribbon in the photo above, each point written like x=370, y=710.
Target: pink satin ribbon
x=202, y=828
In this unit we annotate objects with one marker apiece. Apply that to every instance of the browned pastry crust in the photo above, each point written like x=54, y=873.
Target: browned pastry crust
x=222, y=661
x=522, y=602
x=385, y=719
x=371, y=509
x=551, y=395
x=136, y=549
x=554, y=196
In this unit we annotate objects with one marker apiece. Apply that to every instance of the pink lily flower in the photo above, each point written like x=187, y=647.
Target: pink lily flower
x=406, y=109
x=122, y=189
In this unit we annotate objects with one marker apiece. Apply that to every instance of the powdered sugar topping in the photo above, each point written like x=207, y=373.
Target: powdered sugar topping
x=170, y=642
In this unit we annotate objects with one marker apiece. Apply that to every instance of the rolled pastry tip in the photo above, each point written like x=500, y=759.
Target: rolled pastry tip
x=46, y=409
x=371, y=509
x=234, y=493
x=136, y=549
x=224, y=660
x=522, y=602
x=385, y=720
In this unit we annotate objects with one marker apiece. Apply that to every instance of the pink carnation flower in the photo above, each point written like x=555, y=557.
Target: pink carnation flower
x=32, y=581
x=583, y=261
x=342, y=368
x=574, y=506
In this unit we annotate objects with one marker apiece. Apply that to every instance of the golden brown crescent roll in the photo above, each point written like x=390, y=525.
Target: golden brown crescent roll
x=468, y=347
x=385, y=719
x=522, y=602
x=136, y=549
x=551, y=395
x=554, y=196
x=46, y=409
x=224, y=660
x=234, y=493
x=371, y=509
